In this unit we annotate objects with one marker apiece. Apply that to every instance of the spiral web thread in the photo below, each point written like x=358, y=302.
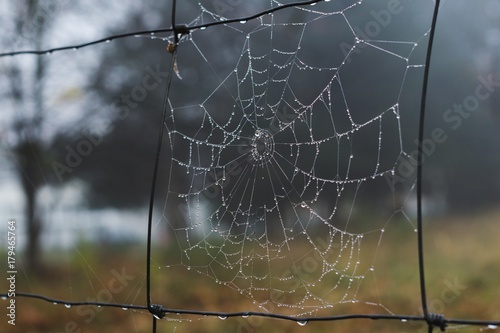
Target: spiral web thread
x=269, y=150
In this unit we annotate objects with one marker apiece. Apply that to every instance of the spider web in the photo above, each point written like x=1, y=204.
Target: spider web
x=283, y=136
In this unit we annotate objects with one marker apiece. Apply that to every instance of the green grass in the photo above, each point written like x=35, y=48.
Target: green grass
x=462, y=268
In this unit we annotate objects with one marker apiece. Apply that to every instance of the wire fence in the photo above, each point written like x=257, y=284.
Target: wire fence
x=159, y=311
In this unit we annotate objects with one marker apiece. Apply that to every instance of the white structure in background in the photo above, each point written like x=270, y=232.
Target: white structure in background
x=65, y=220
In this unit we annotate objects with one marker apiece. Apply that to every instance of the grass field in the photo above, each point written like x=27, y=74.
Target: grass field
x=462, y=256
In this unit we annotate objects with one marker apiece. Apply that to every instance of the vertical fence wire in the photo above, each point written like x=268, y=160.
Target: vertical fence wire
x=155, y=176
x=156, y=311
x=432, y=320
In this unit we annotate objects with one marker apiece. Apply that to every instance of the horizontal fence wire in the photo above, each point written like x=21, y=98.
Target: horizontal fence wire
x=159, y=311
x=176, y=29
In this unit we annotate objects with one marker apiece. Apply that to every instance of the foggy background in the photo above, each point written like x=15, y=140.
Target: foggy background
x=52, y=102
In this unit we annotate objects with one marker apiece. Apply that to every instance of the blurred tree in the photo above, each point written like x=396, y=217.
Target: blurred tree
x=130, y=83
x=463, y=104
x=34, y=122
x=30, y=23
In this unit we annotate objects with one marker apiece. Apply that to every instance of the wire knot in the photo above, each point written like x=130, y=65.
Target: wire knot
x=181, y=29
x=157, y=311
x=437, y=320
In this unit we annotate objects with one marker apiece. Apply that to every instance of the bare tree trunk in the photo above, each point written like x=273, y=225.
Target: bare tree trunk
x=31, y=175
x=34, y=229
x=29, y=150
